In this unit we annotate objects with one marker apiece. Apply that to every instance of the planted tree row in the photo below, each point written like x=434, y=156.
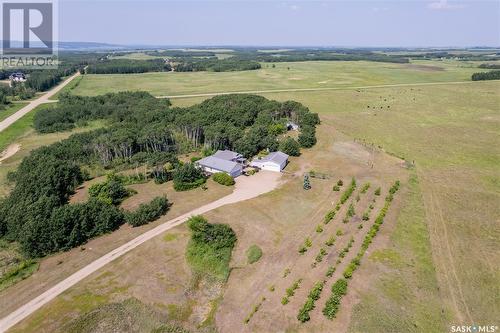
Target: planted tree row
x=339, y=289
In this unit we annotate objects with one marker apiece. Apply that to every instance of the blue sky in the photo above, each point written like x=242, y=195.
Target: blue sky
x=292, y=23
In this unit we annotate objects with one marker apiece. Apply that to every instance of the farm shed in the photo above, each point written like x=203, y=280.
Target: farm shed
x=275, y=161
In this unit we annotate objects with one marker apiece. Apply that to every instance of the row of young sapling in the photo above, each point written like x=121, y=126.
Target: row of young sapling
x=315, y=293
x=339, y=288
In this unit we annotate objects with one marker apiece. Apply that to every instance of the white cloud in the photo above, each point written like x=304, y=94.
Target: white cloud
x=444, y=4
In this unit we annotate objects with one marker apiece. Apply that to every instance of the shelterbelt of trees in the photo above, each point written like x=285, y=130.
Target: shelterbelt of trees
x=140, y=130
x=183, y=64
x=492, y=75
x=124, y=66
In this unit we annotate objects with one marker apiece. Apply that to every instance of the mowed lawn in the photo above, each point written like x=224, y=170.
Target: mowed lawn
x=452, y=134
x=320, y=74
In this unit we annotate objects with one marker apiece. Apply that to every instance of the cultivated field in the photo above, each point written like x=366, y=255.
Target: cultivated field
x=321, y=74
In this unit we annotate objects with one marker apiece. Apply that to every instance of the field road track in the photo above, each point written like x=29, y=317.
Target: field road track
x=245, y=188
x=33, y=104
x=322, y=89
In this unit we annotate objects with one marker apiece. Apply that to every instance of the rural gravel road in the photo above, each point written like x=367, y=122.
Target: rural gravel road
x=245, y=188
x=320, y=89
x=33, y=104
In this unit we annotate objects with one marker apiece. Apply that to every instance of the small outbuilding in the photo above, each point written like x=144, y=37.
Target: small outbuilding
x=275, y=161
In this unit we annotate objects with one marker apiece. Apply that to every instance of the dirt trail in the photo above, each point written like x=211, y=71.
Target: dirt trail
x=319, y=89
x=33, y=104
x=9, y=152
x=245, y=188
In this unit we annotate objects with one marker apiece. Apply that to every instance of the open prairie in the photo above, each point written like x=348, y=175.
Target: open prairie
x=291, y=75
x=433, y=264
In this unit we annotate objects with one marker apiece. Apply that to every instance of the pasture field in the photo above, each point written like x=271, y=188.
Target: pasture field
x=292, y=75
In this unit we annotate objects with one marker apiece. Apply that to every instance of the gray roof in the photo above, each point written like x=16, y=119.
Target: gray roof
x=226, y=155
x=219, y=164
x=277, y=157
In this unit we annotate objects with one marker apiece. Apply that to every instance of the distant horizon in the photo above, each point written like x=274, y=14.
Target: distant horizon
x=472, y=46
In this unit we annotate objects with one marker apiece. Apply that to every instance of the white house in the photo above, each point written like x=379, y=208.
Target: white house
x=275, y=161
x=223, y=161
x=17, y=77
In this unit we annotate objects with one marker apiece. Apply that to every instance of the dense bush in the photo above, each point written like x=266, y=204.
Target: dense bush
x=148, y=212
x=290, y=146
x=111, y=191
x=307, y=136
x=67, y=226
x=210, y=247
x=223, y=179
x=492, y=75
x=126, y=66
x=187, y=177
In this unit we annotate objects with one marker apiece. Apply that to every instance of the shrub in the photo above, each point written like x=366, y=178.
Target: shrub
x=308, y=242
x=314, y=295
x=290, y=146
x=330, y=271
x=286, y=272
x=351, y=212
x=195, y=158
x=187, y=177
x=223, y=178
x=366, y=216
x=285, y=300
x=348, y=192
x=339, y=289
x=377, y=191
x=148, y=212
x=302, y=249
x=329, y=216
x=209, y=250
x=254, y=253
x=336, y=188
x=365, y=187
x=340, y=182
x=111, y=191
x=330, y=241
x=319, y=229
x=339, y=232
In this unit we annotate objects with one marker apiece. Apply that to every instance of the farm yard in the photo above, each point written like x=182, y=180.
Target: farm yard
x=418, y=174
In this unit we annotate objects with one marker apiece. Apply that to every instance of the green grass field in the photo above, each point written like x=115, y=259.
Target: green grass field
x=11, y=109
x=321, y=74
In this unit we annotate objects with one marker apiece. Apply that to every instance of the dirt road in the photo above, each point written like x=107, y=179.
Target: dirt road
x=10, y=151
x=33, y=104
x=245, y=188
x=319, y=89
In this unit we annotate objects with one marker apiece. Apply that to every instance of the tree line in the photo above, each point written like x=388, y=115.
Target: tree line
x=126, y=66
x=492, y=75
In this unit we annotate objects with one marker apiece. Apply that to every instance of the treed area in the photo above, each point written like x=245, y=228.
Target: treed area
x=141, y=130
x=125, y=66
x=493, y=75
